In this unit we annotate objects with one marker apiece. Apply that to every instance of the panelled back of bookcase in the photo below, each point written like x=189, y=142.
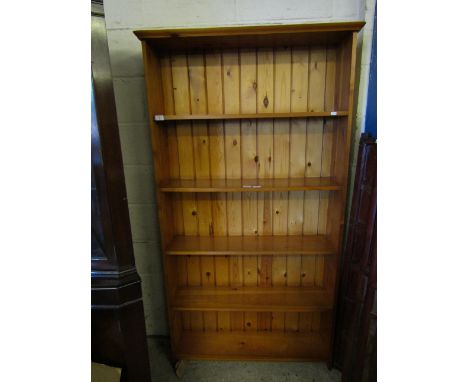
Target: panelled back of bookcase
x=213, y=298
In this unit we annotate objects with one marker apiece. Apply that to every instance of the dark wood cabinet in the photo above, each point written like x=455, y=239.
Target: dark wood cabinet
x=117, y=318
x=356, y=345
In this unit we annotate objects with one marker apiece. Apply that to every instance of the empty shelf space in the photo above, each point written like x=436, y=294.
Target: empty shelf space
x=250, y=245
x=252, y=345
x=181, y=117
x=254, y=299
x=249, y=185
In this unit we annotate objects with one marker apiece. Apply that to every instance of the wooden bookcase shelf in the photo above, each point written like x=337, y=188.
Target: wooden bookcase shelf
x=250, y=185
x=252, y=299
x=251, y=131
x=247, y=345
x=182, y=117
x=250, y=245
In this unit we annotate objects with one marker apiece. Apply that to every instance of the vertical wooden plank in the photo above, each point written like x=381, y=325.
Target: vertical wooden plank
x=315, y=322
x=282, y=103
x=219, y=214
x=282, y=97
x=297, y=165
x=314, y=147
x=250, y=270
x=224, y=321
x=317, y=72
x=205, y=222
x=308, y=271
x=193, y=271
x=327, y=139
x=295, y=212
x=189, y=211
x=250, y=321
x=172, y=148
x=167, y=87
x=248, y=81
x=248, y=104
x=319, y=271
x=305, y=321
x=237, y=321
x=201, y=150
x=196, y=321
x=280, y=213
x=265, y=271
x=231, y=81
x=265, y=170
x=210, y=321
x=222, y=271
x=277, y=321
x=213, y=68
x=177, y=214
x=291, y=322
x=231, y=89
x=233, y=171
x=249, y=156
x=235, y=271
x=180, y=84
x=234, y=214
x=185, y=150
x=265, y=149
x=197, y=80
x=186, y=320
x=279, y=271
x=311, y=212
x=264, y=321
x=181, y=271
x=294, y=271
x=316, y=102
x=208, y=280
x=330, y=78
x=249, y=214
x=214, y=82
x=207, y=271
x=299, y=79
x=265, y=80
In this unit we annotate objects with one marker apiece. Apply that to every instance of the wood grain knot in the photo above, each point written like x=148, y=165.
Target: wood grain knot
x=194, y=213
x=256, y=158
x=234, y=142
x=265, y=101
x=277, y=212
x=249, y=324
x=254, y=85
x=309, y=164
x=208, y=274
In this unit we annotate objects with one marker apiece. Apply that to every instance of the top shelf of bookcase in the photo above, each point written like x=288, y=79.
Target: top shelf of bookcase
x=182, y=117
x=248, y=36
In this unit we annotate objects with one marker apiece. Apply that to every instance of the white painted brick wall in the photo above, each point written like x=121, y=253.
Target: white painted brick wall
x=124, y=16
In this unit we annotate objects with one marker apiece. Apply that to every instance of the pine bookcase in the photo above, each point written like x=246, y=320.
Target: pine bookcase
x=251, y=130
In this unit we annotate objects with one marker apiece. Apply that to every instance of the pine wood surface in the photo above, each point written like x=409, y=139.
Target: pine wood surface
x=251, y=171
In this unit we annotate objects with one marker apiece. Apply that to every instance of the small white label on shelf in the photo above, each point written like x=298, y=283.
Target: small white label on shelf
x=251, y=186
x=159, y=117
x=333, y=113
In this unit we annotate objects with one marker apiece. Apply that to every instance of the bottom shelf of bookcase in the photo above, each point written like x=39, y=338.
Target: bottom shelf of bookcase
x=240, y=345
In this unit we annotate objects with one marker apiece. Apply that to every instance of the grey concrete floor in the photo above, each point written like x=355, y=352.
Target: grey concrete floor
x=232, y=371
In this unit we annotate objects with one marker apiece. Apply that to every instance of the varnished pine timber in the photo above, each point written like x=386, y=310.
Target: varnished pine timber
x=181, y=117
x=249, y=185
x=251, y=170
x=250, y=245
x=281, y=299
